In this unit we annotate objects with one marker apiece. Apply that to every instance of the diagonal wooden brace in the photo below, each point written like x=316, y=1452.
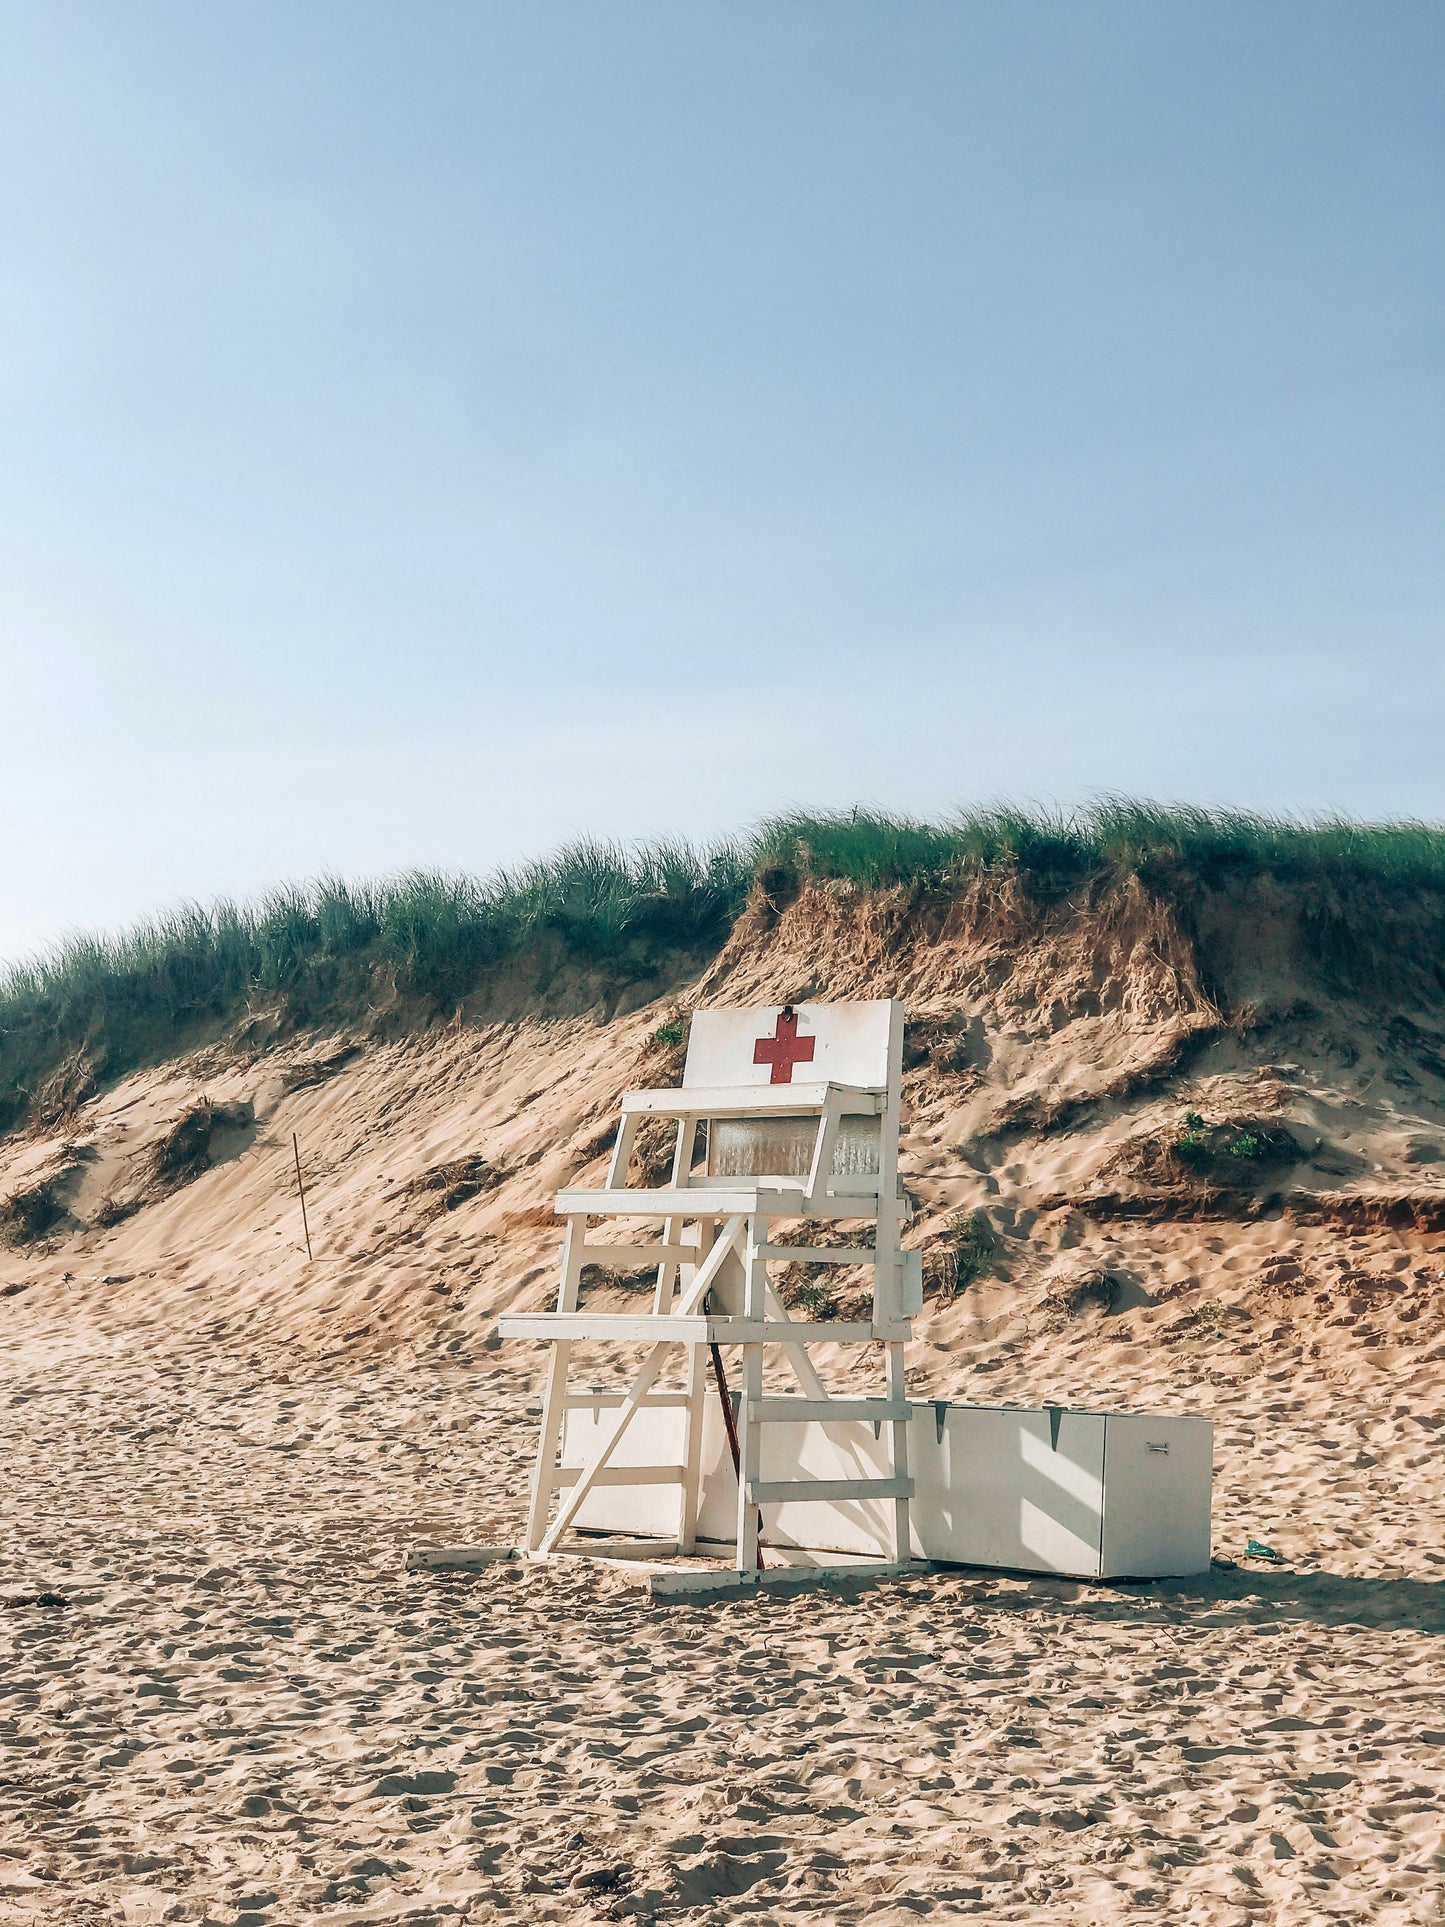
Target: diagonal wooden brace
x=637, y=1392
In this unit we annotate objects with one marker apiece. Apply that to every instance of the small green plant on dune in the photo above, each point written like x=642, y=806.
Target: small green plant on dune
x=974, y=1249
x=817, y=1301
x=1220, y=1149
x=671, y=1033
x=1193, y=1141
x=1206, y=1317
x=963, y=1251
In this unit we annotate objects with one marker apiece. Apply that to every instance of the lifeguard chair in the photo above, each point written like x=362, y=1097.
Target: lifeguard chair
x=786, y=1112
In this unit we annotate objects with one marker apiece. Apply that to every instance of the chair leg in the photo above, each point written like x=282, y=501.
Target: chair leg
x=692, y=1449
x=750, y=1430
x=902, y=1548
x=549, y=1445
x=750, y=1440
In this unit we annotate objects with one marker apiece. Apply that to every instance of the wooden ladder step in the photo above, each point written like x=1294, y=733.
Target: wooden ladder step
x=796, y=1491
x=797, y=1411
x=568, y=1475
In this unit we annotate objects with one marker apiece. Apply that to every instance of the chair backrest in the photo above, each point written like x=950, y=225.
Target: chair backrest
x=793, y=1044
x=859, y=1045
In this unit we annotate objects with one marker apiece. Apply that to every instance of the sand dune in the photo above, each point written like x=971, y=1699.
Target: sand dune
x=222, y=1700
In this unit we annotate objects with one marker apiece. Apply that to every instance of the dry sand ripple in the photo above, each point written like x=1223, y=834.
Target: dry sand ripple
x=244, y=1712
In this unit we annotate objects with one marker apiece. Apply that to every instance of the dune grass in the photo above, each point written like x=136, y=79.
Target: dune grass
x=96, y=1006
x=330, y=950
x=1116, y=834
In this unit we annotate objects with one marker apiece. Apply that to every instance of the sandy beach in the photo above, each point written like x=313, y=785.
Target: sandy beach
x=223, y=1700
x=244, y=1711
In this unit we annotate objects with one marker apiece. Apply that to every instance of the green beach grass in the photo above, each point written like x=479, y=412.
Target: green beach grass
x=650, y=915
x=1114, y=834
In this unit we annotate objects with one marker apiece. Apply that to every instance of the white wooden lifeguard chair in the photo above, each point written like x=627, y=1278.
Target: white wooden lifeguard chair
x=786, y=1112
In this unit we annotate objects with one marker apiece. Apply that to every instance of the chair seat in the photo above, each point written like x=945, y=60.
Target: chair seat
x=754, y=1100
x=729, y=1198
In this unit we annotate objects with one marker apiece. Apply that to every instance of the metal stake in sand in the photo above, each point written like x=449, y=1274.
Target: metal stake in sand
x=301, y=1193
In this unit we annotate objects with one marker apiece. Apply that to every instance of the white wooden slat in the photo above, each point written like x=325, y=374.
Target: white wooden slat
x=640, y=1328
x=688, y=1201
x=622, y=1150
x=568, y=1475
x=792, y=1411
x=818, y=1254
x=750, y=1432
x=772, y=1331
x=639, y=1255
x=795, y=1491
x=856, y=1100
x=692, y=1445
x=580, y=1401
x=677, y=1328
x=897, y=1386
x=669, y=1273
x=821, y=1168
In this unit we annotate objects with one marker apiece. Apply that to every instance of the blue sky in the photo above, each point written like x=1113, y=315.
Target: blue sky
x=431, y=431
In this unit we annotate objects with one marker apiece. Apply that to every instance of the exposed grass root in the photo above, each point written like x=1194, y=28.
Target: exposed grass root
x=30, y=1213
x=1180, y=1206
x=1370, y=1210
x=183, y=1153
x=1422, y=1211
x=445, y=1186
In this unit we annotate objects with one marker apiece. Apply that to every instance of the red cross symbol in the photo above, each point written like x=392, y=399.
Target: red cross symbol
x=784, y=1049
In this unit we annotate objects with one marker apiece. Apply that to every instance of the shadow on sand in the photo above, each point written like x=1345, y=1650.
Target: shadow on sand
x=1322, y=1598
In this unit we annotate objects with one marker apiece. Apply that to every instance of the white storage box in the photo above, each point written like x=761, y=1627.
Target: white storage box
x=1090, y=1494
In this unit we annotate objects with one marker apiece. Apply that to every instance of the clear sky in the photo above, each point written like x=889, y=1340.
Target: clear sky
x=432, y=430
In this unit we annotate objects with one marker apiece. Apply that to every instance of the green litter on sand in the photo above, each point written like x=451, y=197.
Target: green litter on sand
x=1254, y=1550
